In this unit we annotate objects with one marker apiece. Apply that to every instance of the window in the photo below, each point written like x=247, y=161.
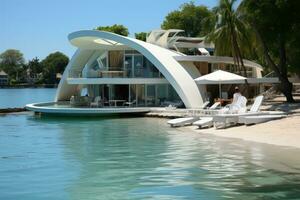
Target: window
x=128, y=66
x=102, y=61
x=138, y=66
x=116, y=60
x=95, y=65
x=151, y=95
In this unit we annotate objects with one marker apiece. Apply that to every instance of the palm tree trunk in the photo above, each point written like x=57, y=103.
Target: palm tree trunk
x=286, y=86
x=237, y=50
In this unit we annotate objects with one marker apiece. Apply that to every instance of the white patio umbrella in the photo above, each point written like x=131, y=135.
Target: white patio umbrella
x=220, y=77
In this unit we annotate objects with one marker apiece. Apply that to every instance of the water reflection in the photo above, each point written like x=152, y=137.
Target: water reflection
x=140, y=158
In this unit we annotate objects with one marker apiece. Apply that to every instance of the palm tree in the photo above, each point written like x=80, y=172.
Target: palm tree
x=230, y=34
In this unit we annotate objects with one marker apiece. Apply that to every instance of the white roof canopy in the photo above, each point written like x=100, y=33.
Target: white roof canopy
x=220, y=77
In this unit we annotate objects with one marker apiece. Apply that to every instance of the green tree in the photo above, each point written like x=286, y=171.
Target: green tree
x=141, y=36
x=189, y=18
x=231, y=35
x=12, y=61
x=276, y=25
x=35, y=66
x=32, y=70
x=54, y=63
x=116, y=28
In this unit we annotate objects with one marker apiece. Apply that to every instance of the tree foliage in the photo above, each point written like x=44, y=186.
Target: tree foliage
x=141, y=36
x=190, y=18
x=35, y=66
x=116, y=28
x=12, y=61
x=54, y=63
x=231, y=35
x=276, y=25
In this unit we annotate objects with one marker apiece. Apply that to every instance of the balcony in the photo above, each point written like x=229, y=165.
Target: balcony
x=114, y=76
x=116, y=72
x=111, y=73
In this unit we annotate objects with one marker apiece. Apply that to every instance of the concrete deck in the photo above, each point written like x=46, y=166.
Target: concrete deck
x=52, y=108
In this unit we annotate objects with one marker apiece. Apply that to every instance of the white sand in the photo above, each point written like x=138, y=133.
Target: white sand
x=284, y=132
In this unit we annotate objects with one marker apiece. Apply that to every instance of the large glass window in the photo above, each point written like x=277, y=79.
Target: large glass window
x=172, y=94
x=103, y=61
x=162, y=94
x=138, y=66
x=116, y=60
x=128, y=66
x=132, y=93
x=140, y=94
x=150, y=70
x=151, y=95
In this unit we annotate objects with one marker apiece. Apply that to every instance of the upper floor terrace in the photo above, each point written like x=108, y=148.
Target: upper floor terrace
x=117, y=64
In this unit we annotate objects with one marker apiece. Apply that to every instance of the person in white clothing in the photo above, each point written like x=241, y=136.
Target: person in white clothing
x=238, y=103
x=236, y=95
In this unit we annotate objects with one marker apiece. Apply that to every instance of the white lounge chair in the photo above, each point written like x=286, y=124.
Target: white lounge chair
x=222, y=120
x=214, y=106
x=183, y=121
x=232, y=108
x=204, y=121
x=247, y=120
x=97, y=102
x=211, y=110
x=205, y=104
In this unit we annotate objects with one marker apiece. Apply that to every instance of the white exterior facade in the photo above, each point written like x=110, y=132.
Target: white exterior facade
x=175, y=71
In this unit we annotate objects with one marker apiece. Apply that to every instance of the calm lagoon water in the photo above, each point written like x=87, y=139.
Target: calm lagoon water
x=20, y=97
x=136, y=158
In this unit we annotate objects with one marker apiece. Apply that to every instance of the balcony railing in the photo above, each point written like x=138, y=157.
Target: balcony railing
x=75, y=74
x=115, y=72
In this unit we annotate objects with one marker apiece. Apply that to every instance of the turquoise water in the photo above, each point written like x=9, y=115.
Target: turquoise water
x=136, y=158
x=20, y=97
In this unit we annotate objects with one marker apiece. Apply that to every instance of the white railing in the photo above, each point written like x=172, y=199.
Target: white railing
x=75, y=74
x=113, y=72
x=270, y=75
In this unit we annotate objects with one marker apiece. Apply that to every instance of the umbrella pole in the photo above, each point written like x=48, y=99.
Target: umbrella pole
x=220, y=93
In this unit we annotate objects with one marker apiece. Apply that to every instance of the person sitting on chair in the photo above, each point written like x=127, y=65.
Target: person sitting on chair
x=236, y=95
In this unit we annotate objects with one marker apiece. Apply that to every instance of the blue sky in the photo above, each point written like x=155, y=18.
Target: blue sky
x=39, y=27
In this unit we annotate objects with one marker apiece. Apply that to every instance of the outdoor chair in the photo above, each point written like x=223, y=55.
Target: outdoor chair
x=129, y=104
x=231, y=108
x=97, y=102
x=223, y=120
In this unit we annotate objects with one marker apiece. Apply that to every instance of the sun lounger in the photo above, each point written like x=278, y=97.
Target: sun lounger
x=223, y=120
x=205, y=104
x=247, y=120
x=204, y=121
x=183, y=121
x=211, y=110
x=214, y=106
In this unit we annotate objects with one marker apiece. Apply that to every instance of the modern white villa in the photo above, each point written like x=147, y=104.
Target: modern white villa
x=110, y=73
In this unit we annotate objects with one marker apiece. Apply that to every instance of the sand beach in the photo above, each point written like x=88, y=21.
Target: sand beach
x=283, y=132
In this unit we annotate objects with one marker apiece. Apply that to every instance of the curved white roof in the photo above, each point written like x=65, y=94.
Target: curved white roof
x=217, y=59
x=89, y=40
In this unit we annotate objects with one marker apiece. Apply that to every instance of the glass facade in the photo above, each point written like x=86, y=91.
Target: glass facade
x=121, y=64
x=152, y=95
x=129, y=64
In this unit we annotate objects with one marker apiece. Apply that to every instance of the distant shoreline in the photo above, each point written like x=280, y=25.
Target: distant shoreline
x=28, y=86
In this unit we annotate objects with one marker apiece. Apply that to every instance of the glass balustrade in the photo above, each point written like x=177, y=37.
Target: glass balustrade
x=128, y=64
